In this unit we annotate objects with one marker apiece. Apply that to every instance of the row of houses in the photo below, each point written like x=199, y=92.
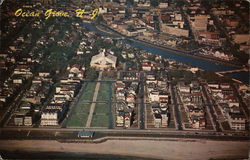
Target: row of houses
x=65, y=91
x=191, y=97
x=126, y=94
x=158, y=97
x=228, y=104
x=33, y=99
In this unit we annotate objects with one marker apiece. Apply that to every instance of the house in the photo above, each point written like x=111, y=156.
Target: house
x=157, y=120
x=27, y=120
x=163, y=5
x=194, y=111
x=32, y=99
x=195, y=98
x=127, y=119
x=43, y=74
x=237, y=121
x=154, y=96
x=18, y=120
x=130, y=98
x=18, y=80
x=129, y=75
x=120, y=119
x=103, y=61
x=49, y=118
x=3, y=98
x=22, y=69
x=120, y=95
x=25, y=106
x=37, y=81
x=146, y=66
x=183, y=88
x=164, y=119
x=120, y=85
x=155, y=108
x=213, y=85
x=198, y=122
x=163, y=96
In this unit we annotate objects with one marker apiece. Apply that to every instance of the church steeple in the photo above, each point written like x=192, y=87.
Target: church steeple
x=103, y=52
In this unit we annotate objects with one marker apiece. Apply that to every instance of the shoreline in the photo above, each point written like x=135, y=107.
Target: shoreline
x=201, y=149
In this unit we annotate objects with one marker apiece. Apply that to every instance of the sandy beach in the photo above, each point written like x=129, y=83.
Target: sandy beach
x=174, y=150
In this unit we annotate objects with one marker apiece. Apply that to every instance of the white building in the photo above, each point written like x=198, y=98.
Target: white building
x=49, y=119
x=154, y=96
x=237, y=121
x=103, y=60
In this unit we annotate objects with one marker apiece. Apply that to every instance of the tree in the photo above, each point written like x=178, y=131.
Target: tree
x=91, y=74
x=130, y=2
x=154, y=3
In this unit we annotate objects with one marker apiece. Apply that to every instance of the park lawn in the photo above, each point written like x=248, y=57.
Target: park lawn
x=101, y=115
x=79, y=116
x=102, y=108
x=100, y=121
x=88, y=92
x=80, y=112
x=104, y=92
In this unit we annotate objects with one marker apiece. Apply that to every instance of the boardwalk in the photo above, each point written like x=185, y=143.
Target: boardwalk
x=92, y=107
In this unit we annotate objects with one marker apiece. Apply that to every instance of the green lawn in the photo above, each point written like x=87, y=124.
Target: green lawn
x=104, y=92
x=101, y=116
x=79, y=116
x=80, y=110
x=100, y=121
x=101, y=109
x=88, y=92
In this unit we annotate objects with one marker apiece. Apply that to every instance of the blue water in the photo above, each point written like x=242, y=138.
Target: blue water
x=64, y=155
x=205, y=65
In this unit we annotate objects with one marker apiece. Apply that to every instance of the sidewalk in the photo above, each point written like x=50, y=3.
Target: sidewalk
x=92, y=107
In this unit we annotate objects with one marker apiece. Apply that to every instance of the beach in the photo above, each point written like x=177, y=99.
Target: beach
x=167, y=149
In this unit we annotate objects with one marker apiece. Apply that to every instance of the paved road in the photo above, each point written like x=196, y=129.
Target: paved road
x=242, y=104
x=92, y=107
x=176, y=108
x=211, y=109
x=142, y=105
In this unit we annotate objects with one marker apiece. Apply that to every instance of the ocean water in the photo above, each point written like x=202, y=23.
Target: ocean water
x=64, y=155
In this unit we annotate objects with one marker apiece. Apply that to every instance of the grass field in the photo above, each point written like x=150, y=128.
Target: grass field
x=102, y=114
x=100, y=121
x=88, y=92
x=80, y=110
x=104, y=92
x=101, y=108
x=101, y=117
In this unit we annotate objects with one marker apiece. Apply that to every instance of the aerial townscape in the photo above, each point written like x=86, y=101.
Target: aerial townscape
x=146, y=79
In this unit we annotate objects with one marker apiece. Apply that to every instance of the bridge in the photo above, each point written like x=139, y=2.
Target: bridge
x=233, y=71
